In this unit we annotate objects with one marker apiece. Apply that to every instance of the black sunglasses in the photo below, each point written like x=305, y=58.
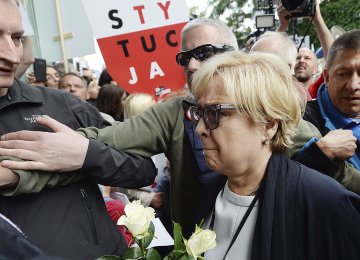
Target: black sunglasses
x=201, y=53
x=210, y=114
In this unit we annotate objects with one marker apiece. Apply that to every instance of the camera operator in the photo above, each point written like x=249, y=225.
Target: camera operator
x=305, y=68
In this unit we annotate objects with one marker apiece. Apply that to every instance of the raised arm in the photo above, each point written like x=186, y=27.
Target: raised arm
x=283, y=18
x=323, y=32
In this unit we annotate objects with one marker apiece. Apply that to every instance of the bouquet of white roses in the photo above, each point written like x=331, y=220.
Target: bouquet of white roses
x=138, y=221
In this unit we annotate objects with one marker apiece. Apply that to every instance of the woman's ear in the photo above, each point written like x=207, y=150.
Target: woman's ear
x=270, y=129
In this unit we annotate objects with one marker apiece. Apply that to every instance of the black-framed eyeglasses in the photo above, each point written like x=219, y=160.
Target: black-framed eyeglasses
x=210, y=114
x=201, y=53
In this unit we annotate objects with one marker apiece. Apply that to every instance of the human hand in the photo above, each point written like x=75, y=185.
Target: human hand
x=317, y=14
x=8, y=177
x=338, y=144
x=283, y=18
x=31, y=79
x=63, y=150
x=157, y=200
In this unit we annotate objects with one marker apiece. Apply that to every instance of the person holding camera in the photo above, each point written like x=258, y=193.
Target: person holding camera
x=306, y=62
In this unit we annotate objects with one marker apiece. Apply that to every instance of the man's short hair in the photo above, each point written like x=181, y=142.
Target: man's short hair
x=72, y=74
x=349, y=40
x=226, y=35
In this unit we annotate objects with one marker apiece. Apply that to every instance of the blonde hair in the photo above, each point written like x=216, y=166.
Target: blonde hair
x=260, y=85
x=137, y=103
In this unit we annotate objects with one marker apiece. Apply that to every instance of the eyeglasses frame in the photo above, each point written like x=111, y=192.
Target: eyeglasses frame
x=218, y=108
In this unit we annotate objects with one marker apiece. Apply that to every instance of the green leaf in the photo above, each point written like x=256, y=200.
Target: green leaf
x=147, y=240
x=109, y=257
x=179, y=244
x=152, y=254
x=179, y=255
x=132, y=253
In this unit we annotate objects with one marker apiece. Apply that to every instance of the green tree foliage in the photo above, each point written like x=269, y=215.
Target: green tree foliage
x=233, y=12
x=344, y=13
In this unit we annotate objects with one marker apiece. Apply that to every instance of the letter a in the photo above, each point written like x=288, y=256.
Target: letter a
x=155, y=70
x=134, y=78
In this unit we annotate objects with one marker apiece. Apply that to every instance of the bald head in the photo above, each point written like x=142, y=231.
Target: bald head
x=277, y=43
x=306, y=66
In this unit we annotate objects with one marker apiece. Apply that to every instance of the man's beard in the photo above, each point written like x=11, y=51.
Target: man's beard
x=303, y=77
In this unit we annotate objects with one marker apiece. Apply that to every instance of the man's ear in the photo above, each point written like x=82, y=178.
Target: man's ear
x=315, y=69
x=326, y=75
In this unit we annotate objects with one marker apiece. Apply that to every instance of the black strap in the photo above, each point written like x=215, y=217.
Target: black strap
x=247, y=213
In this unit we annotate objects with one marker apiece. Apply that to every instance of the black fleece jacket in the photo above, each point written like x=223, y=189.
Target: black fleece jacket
x=69, y=221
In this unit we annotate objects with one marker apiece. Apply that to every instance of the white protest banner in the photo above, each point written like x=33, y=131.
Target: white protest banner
x=139, y=40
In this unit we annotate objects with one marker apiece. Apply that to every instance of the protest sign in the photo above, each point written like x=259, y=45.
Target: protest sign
x=139, y=40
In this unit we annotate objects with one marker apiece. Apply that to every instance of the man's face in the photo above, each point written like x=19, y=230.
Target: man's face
x=52, y=78
x=11, y=49
x=196, y=37
x=343, y=79
x=74, y=85
x=306, y=65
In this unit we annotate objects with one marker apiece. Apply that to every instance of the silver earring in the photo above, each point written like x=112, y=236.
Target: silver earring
x=266, y=142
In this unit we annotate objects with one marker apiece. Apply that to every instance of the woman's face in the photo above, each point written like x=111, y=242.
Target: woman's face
x=236, y=145
x=52, y=77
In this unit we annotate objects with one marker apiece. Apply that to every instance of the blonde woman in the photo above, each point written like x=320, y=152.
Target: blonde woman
x=137, y=103
x=270, y=207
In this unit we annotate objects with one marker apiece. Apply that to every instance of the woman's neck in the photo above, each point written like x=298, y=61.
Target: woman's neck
x=244, y=187
x=247, y=184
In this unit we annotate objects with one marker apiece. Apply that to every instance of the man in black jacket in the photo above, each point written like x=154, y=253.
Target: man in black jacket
x=70, y=220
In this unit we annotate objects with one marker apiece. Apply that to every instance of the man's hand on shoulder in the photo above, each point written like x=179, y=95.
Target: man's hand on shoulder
x=338, y=144
x=61, y=150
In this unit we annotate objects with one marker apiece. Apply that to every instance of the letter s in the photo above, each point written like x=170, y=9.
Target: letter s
x=115, y=19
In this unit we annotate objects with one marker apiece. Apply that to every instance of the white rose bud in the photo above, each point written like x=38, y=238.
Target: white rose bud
x=137, y=218
x=200, y=242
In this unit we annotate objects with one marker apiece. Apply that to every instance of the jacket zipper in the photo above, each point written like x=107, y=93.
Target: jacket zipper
x=90, y=217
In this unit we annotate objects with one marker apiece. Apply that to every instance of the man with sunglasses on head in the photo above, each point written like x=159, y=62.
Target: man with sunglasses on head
x=164, y=128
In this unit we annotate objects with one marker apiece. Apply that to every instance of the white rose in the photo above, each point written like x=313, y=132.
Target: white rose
x=201, y=241
x=137, y=218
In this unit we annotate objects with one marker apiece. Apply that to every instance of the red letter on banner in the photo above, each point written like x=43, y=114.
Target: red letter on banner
x=165, y=9
x=139, y=8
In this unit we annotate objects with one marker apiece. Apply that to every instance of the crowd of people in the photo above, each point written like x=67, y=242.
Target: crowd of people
x=260, y=151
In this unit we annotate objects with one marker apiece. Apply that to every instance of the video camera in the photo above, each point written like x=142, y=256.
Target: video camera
x=300, y=8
